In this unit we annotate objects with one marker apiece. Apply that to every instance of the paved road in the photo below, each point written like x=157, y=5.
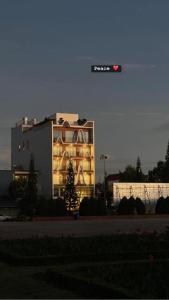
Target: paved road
x=14, y=230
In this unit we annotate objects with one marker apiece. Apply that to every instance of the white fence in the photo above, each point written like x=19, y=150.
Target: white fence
x=149, y=192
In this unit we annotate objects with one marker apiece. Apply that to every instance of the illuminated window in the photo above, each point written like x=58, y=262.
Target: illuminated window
x=86, y=165
x=58, y=178
x=71, y=150
x=57, y=150
x=87, y=178
x=56, y=164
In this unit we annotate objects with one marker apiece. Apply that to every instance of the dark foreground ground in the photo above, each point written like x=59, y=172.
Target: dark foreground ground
x=123, y=266
x=89, y=258
x=83, y=227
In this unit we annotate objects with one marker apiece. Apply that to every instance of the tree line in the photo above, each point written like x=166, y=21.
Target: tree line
x=160, y=173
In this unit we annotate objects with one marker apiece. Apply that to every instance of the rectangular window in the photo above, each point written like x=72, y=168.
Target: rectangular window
x=86, y=136
x=69, y=136
x=57, y=134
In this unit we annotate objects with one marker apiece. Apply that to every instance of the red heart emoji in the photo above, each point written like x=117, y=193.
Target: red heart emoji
x=115, y=67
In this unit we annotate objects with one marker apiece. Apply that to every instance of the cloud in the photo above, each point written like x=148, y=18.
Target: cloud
x=162, y=128
x=138, y=66
x=83, y=58
x=4, y=43
x=148, y=114
x=6, y=124
x=120, y=114
x=5, y=158
x=105, y=60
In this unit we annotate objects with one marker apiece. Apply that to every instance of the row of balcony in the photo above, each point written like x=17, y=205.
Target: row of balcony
x=73, y=155
x=63, y=183
x=69, y=141
x=75, y=171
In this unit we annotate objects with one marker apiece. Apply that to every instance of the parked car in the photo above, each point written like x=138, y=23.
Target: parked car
x=5, y=218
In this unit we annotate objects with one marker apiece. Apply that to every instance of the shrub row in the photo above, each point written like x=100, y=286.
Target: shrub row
x=51, y=207
x=131, y=206
x=162, y=206
x=92, y=207
x=56, y=207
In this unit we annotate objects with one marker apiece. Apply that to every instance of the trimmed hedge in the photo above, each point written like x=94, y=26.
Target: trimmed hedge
x=130, y=206
x=162, y=206
x=92, y=207
x=51, y=207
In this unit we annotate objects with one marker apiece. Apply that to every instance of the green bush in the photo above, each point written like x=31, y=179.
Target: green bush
x=162, y=206
x=51, y=207
x=126, y=206
x=92, y=207
x=140, y=207
x=130, y=206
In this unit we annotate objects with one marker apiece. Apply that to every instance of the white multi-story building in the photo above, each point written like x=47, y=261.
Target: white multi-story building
x=53, y=143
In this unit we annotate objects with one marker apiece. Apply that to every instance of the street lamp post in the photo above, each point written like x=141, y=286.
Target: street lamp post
x=104, y=157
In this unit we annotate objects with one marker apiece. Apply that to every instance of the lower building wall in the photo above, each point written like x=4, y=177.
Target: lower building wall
x=82, y=191
x=5, y=179
x=9, y=211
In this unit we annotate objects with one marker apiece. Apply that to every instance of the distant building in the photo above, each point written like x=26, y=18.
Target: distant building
x=54, y=142
x=148, y=192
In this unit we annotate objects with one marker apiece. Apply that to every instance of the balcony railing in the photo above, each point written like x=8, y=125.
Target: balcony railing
x=69, y=141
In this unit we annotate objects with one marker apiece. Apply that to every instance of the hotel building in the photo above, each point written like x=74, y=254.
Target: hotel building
x=53, y=143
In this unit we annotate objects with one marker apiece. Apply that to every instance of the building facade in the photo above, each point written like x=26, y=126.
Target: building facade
x=146, y=191
x=55, y=142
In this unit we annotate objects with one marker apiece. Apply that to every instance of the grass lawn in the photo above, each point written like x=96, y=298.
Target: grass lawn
x=73, y=268
x=142, y=280
x=20, y=283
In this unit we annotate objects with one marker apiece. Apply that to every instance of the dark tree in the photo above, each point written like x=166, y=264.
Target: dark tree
x=92, y=207
x=162, y=206
x=157, y=174
x=131, y=206
x=29, y=202
x=166, y=167
x=138, y=165
x=17, y=188
x=128, y=175
x=70, y=195
x=161, y=172
x=140, y=206
x=133, y=174
x=126, y=206
x=51, y=207
x=139, y=174
x=167, y=154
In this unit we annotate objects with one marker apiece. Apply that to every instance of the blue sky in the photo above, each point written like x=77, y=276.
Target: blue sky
x=46, y=50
